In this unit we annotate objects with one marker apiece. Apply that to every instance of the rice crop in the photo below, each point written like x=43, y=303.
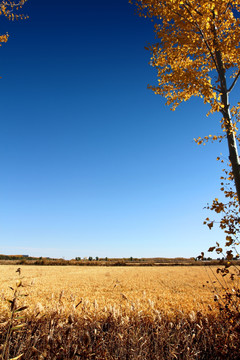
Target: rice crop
x=117, y=313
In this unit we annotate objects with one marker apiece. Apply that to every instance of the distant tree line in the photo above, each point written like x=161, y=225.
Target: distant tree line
x=15, y=257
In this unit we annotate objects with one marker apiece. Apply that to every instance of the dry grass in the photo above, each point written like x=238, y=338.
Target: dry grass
x=118, y=313
x=170, y=289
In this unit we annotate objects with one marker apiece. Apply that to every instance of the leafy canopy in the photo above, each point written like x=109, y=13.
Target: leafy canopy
x=191, y=36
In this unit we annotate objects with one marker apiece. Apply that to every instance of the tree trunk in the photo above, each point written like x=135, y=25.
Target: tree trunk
x=233, y=154
x=231, y=138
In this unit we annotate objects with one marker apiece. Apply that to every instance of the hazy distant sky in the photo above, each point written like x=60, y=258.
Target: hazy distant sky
x=92, y=163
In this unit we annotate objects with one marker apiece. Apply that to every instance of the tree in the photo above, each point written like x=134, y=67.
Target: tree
x=197, y=53
x=9, y=10
x=230, y=220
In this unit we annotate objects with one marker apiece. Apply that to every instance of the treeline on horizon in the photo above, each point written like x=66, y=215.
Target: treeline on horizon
x=179, y=261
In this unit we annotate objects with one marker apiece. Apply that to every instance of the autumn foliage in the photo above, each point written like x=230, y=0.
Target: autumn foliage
x=197, y=53
x=10, y=10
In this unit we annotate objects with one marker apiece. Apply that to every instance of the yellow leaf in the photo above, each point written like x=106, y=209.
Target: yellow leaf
x=17, y=357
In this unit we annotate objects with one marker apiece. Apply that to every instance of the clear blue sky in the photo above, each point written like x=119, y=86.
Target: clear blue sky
x=92, y=162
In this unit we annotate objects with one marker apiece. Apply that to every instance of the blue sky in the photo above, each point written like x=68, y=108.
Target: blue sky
x=92, y=162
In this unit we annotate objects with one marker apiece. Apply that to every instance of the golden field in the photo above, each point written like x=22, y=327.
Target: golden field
x=108, y=313
x=169, y=289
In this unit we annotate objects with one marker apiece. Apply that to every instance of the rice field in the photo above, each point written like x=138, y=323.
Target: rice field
x=116, y=313
x=170, y=289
